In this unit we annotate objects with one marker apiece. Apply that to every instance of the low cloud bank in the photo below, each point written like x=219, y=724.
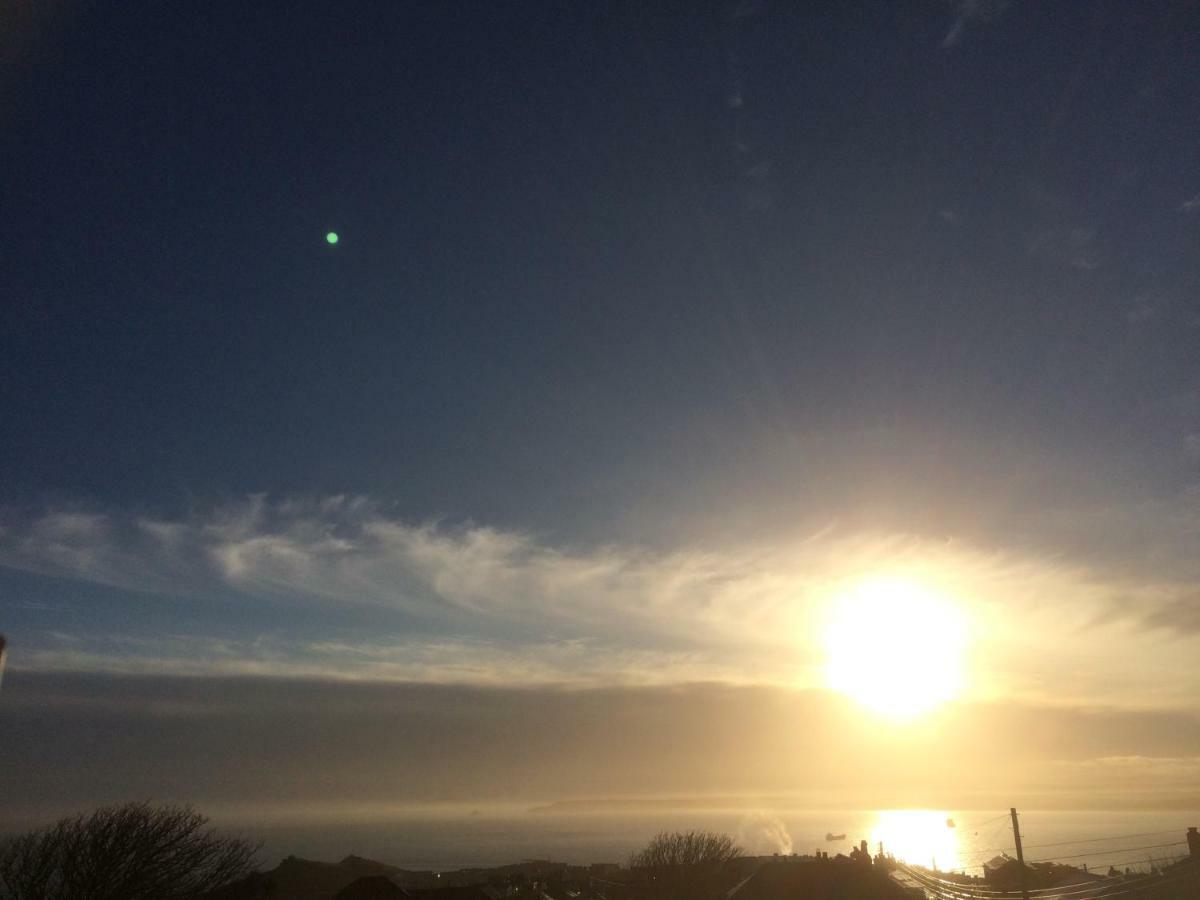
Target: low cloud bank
x=299, y=747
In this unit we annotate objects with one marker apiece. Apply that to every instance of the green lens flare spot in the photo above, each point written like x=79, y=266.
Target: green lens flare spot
x=331, y=237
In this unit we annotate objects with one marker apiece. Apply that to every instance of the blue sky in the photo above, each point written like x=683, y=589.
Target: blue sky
x=650, y=329
x=589, y=256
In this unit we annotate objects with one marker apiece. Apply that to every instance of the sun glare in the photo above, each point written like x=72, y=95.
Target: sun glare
x=923, y=837
x=896, y=647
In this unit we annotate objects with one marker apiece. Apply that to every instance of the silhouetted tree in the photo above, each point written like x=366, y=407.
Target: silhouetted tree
x=131, y=852
x=683, y=864
x=691, y=848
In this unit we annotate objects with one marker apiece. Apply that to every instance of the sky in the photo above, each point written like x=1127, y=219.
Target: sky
x=655, y=334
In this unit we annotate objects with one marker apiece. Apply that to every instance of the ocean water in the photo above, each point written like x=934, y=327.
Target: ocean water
x=924, y=837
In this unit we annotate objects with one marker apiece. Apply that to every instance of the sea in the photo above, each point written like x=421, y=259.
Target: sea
x=942, y=839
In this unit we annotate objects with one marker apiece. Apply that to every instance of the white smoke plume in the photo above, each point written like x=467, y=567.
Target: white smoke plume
x=763, y=832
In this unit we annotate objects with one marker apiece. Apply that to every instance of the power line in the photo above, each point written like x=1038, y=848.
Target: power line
x=1108, y=852
x=1133, y=885
x=972, y=888
x=984, y=852
x=1115, y=837
x=986, y=821
x=973, y=856
x=1142, y=861
x=956, y=889
x=951, y=890
x=1094, y=889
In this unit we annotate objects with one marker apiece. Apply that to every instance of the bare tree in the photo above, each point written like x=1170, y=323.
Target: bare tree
x=674, y=849
x=131, y=852
x=684, y=864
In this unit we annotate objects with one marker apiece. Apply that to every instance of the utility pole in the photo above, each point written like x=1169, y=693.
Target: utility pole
x=1020, y=853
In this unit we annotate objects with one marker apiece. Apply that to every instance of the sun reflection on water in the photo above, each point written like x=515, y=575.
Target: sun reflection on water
x=919, y=836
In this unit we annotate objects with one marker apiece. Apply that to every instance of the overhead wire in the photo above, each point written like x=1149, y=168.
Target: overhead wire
x=974, y=856
x=1141, y=861
x=966, y=892
x=1115, y=837
x=1107, y=887
x=983, y=822
x=1097, y=888
x=1115, y=887
x=919, y=875
x=947, y=886
x=1107, y=852
x=984, y=853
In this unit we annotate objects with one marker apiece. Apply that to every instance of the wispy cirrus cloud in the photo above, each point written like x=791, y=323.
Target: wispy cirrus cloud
x=343, y=550
x=472, y=604
x=971, y=12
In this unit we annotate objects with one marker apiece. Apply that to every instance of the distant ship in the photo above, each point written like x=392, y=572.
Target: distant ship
x=949, y=823
x=830, y=836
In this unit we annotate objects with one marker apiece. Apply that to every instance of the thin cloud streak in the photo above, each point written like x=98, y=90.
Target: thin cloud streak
x=434, y=661
x=473, y=604
x=969, y=12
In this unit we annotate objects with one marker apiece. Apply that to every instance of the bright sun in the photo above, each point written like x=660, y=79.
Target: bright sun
x=896, y=647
